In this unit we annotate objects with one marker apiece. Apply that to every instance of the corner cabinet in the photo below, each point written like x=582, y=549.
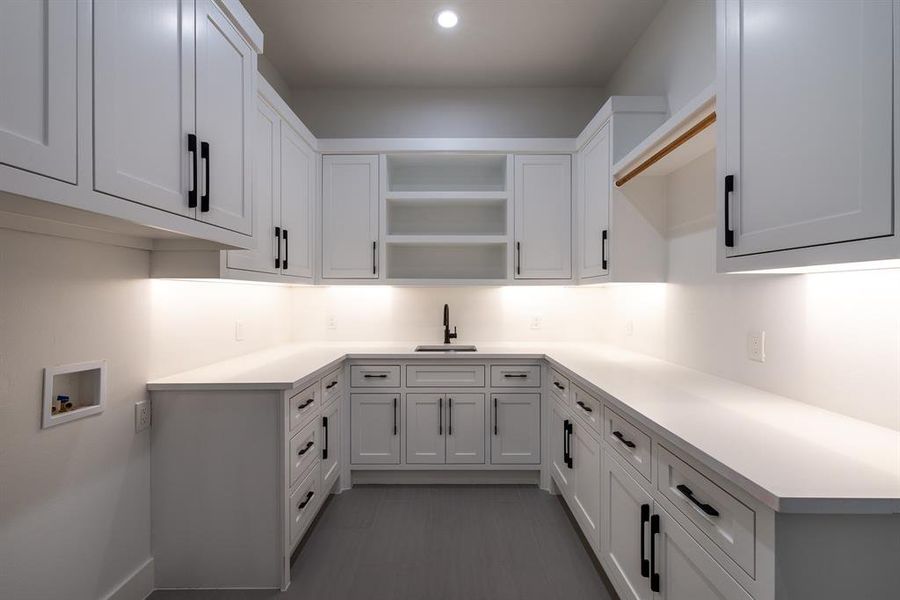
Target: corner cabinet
x=543, y=217
x=350, y=217
x=806, y=165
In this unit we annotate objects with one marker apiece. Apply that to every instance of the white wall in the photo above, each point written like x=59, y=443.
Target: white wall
x=461, y=112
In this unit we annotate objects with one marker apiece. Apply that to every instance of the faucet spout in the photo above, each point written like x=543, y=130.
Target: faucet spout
x=447, y=334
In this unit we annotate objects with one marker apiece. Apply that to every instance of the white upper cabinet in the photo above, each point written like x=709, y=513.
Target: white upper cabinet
x=350, y=217
x=298, y=193
x=38, y=53
x=226, y=72
x=806, y=135
x=593, y=170
x=543, y=217
x=144, y=102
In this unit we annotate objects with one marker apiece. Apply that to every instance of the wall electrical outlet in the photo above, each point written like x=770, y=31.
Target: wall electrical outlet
x=537, y=322
x=239, y=331
x=756, y=346
x=629, y=327
x=142, y=415
x=331, y=322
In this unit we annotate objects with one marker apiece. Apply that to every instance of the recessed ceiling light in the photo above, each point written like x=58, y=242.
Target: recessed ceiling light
x=447, y=19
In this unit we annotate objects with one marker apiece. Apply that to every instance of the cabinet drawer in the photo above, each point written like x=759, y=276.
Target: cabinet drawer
x=586, y=407
x=515, y=376
x=630, y=442
x=332, y=386
x=445, y=376
x=303, y=407
x=304, y=451
x=375, y=376
x=303, y=503
x=559, y=385
x=728, y=522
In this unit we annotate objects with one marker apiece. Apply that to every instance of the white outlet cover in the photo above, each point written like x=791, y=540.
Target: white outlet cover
x=239, y=331
x=142, y=415
x=331, y=322
x=629, y=327
x=537, y=322
x=756, y=346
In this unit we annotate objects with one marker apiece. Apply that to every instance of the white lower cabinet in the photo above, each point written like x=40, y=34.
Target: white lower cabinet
x=584, y=463
x=425, y=429
x=465, y=429
x=444, y=428
x=375, y=429
x=331, y=444
x=559, y=448
x=516, y=428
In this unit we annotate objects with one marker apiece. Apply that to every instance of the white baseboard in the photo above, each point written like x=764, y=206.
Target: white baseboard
x=136, y=586
x=446, y=477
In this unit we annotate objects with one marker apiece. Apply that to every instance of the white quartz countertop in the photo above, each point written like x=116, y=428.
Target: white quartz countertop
x=792, y=456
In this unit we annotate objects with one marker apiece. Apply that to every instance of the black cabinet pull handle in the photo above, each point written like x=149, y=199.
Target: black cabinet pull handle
x=192, y=148
x=204, y=155
x=570, y=462
x=618, y=435
x=284, y=235
x=303, y=504
x=395, y=416
x=278, y=243
x=375, y=376
x=518, y=258
x=331, y=385
x=559, y=385
x=374, y=255
x=325, y=447
x=654, y=531
x=515, y=375
x=566, y=441
x=584, y=407
x=449, y=416
x=495, y=415
x=689, y=494
x=305, y=448
x=604, y=237
x=729, y=232
x=645, y=518
x=440, y=416
x=305, y=404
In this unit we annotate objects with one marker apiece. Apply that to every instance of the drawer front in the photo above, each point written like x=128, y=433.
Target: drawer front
x=445, y=376
x=727, y=521
x=303, y=407
x=559, y=385
x=304, y=451
x=630, y=442
x=375, y=376
x=515, y=376
x=588, y=408
x=304, y=501
x=332, y=386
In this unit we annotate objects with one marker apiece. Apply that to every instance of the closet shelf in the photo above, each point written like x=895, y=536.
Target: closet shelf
x=425, y=196
x=685, y=136
x=444, y=240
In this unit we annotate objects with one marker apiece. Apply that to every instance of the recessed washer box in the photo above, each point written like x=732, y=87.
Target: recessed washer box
x=83, y=383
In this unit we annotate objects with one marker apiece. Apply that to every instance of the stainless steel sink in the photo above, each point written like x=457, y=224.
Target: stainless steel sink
x=446, y=348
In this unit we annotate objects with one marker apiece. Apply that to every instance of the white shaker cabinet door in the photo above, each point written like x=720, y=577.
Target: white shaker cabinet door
x=425, y=429
x=585, y=503
x=543, y=217
x=807, y=112
x=350, y=217
x=226, y=104
x=593, y=192
x=38, y=53
x=560, y=470
x=375, y=428
x=465, y=428
x=516, y=429
x=331, y=445
x=298, y=180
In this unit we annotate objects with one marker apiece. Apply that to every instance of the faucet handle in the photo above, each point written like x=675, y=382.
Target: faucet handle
x=453, y=335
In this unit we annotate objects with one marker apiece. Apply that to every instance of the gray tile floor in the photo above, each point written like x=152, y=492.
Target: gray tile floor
x=436, y=543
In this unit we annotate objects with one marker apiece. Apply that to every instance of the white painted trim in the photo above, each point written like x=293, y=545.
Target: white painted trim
x=430, y=476
x=135, y=586
x=244, y=23
x=620, y=104
x=267, y=93
x=500, y=145
x=42, y=226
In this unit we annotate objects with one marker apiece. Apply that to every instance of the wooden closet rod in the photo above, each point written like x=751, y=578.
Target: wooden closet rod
x=667, y=149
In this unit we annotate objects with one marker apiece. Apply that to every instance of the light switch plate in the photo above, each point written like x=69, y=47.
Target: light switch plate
x=756, y=346
x=142, y=415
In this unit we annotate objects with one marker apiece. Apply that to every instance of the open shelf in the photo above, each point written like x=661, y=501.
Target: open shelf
x=439, y=260
x=449, y=216
x=446, y=172
x=73, y=391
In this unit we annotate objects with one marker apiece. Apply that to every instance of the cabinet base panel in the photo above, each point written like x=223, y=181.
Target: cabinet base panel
x=446, y=477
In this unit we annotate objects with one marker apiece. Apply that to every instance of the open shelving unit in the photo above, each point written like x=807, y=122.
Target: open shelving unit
x=446, y=216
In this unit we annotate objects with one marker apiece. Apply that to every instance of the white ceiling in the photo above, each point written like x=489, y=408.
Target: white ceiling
x=395, y=43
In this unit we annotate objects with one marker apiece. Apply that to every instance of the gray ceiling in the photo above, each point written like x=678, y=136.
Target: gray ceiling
x=395, y=43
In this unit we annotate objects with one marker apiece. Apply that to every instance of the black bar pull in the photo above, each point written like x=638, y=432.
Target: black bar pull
x=566, y=441
x=618, y=435
x=495, y=415
x=303, y=504
x=395, y=416
x=584, y=406
x=689, y=494
x=286, y=251
x=570, y=462
x=559, y=385
x=305, y=448
x=192, y=148
x=515, y=375
x=278, y=243
x=645, y=562
x=729, y=232
x=374, y=256
x=440, y=416
x=331, y=385
x=604, y=237
x=305, y=404
x=449, y=416
x=518, y=258
x=325, y=447
x=204, y=155
x=375, y=376
x=654, y=576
